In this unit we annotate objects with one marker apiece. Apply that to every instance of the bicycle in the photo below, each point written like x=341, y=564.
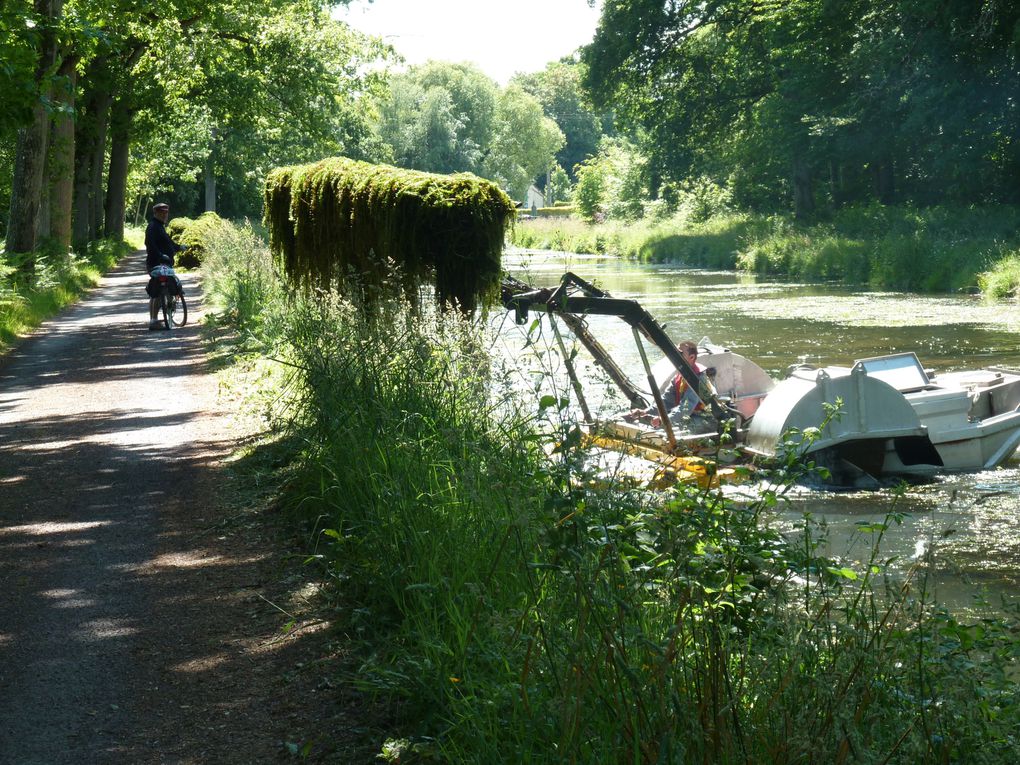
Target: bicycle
x=172, y=305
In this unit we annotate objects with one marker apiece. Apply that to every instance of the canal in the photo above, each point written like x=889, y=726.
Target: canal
x=968, y=523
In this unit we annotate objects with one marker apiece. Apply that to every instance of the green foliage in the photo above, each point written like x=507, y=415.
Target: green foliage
x=558, y=189
x=813, y=103
x=523, y=142
x=177, y=226
x=1003, y=279
x=558, y=89
x=613, y=183
x=561, y=211
x=446, y=118
x=932, y=250
x=515, y=609
x=195, y=235
x=389, y=228
x=241, y=282
x=56, y=282
x=237, y=89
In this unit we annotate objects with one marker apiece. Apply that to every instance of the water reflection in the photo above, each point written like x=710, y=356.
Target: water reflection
x=971, y=522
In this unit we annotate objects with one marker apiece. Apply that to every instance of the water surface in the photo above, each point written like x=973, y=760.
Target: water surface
x=971, y=521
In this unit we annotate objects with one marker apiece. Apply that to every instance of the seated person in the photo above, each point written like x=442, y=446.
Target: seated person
x=684, y=405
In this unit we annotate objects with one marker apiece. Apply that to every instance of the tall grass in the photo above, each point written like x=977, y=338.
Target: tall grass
x=930, y=250
x=56, y=281
x=514, y=609
x=1003, y=279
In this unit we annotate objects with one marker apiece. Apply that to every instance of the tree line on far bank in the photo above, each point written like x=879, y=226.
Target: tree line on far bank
x=795, y=105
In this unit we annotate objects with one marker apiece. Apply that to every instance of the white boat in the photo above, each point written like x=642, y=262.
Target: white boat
x=896, y=417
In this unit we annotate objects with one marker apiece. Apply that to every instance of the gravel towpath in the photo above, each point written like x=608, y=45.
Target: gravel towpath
x=133, y=627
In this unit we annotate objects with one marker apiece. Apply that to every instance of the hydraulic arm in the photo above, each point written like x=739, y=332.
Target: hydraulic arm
x=575, y=297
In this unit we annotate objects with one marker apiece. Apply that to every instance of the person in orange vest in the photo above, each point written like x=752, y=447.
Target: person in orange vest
x=679, y=396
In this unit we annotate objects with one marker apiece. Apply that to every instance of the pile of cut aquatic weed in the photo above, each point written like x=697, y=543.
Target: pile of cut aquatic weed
x=390, y=227
x=511, y=608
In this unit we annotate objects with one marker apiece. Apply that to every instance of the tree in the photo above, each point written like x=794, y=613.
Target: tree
x=613, y=183
x=447, y=118
x=892, y=100
x=524, y=142
x=33, y=138
x=270, y=83
x=558, y=88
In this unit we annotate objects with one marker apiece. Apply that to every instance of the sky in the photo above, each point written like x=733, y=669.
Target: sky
x=502, y=38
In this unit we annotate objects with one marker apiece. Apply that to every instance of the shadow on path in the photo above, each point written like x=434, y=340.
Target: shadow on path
x=126, y=631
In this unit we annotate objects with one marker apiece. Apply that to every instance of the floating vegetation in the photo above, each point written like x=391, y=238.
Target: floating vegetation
x=391, y=229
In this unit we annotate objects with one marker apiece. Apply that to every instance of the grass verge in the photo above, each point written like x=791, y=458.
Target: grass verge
x=932, y=250
x=56, y=282
x=508, y=607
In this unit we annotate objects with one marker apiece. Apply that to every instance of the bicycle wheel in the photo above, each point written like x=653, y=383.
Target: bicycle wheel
x=179, y=311
x=164, y=304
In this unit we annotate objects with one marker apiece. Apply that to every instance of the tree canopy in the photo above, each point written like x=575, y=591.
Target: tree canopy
x=445, y=118
x=211, y=89
x=793, y=101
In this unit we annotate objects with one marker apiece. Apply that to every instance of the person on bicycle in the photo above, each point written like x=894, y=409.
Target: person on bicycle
x=159, y=251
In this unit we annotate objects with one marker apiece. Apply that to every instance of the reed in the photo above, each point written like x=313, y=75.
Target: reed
x=393, y=229
x=924, y=250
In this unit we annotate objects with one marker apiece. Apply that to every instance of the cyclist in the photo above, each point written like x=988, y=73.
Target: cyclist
x=159, y=251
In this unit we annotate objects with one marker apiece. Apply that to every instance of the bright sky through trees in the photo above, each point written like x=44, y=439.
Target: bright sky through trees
x=501, y=38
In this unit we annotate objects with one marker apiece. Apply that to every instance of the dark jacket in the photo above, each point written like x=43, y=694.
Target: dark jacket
x=159, y=247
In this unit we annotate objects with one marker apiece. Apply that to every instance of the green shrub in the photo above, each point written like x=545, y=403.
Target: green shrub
x=195, y=236
x=1003, y=279
x=177, y=226
x=240, y=279
x=555, y=211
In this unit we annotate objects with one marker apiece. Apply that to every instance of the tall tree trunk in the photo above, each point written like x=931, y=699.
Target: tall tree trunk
x=98, y=167
x=836, y=184
x=86, y=137
x=60, y=164
x=81, y=233
x=210, y=185
x=90, y=155
x=885, y=180
x=30, y=151
x=803, y=191
x=116, y=186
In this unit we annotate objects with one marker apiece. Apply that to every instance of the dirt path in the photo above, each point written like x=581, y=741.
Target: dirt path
x=132, y=630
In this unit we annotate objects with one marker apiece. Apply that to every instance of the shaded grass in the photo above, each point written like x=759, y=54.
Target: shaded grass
x=1003, y=279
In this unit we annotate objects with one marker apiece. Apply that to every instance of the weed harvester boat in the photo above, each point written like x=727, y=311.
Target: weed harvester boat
x=892, y=416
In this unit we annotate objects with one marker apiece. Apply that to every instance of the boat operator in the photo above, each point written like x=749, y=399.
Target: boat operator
x=683, y=405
